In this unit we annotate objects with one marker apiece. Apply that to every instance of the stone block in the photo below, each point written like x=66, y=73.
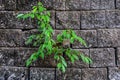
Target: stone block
x=10, y=4
x=93, y=19
x=85, y=4
x=42, y=74
x=58, y=4
x=7, y=57
x=79, y=63
x=70, y=74
x=114, y=73
x=107, y=4
x=9, y=20
x=118, y=57
x=68, y=20
x=25, y=5
x=10, y=37
x=118, y=4
x=90, y=36
x=108, y=37
x=113, y=18
x=94, y=74
x=13, y=73
x=73, y=5
x=102, y=57
x=2, y=5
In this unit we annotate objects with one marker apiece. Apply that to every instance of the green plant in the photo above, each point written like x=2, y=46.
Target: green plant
x=48, y=46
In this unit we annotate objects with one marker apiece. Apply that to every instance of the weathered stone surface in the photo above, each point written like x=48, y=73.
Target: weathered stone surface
x=9, y=20
x=10, y=4
x=108, y=37
x=73, y=5
x=21, y=55
x=90, y=36
x=93, y=19
x=85, y=4
x=79, y=64
x=118, y=57
x=68, y=20
x=113, y=19
x=114, y=73
x=2, y=6
x=102, y=57
x=25, y=5
x=118, y=4
x=13, y=73
x=59, y=4
x=7, y=57
x=70, y=74
x=10, y=37
x=107, y=4
x=42, y=74
x=94, y=74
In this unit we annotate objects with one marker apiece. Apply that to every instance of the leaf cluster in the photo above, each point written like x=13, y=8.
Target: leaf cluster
x=47, y=45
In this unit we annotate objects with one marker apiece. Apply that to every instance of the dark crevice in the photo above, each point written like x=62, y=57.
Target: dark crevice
x=116, y=58
x=108, y=74
x=115, y=3
x=26, y=29
x=55, y=74
x=28, y=73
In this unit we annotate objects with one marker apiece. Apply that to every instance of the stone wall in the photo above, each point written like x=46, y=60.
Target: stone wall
x=97, y=21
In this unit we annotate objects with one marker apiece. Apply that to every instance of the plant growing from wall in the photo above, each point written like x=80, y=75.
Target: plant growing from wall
x=47, y=45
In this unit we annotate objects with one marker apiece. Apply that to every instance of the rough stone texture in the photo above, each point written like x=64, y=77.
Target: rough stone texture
x=102, y=57
x=68, y=20
x=6, y=57
x=79, y=64
x=13, y=73
x=92, y=19
x=114, y=73
x=42, y=74
x=70, y=74
x=113, y=19
x=25, y=5
x=96, y=21
x=118, y=4
x=10, y=4
x=118, y=57
x=10, y=37
x=90, y=36
x=9, y=21
x=108, y=37
x=94, y=74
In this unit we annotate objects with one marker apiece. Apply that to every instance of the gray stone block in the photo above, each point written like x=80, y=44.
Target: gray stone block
x=25, y=5
x=10, y=4
x=118, y=4
x=93, y=19
x=58, y=4
x=7, y=57
x=70, y=74
x=114, y=73
x=118, y=57
x=90, y=36
x=10, y=37
x=2, y=5
x=9, y=20
x=13, y=73
x=73, y=5
x=108, y=37
x=68, y=20
x=102, y=57
x=79, y=63
x=94, y=74
x=42, y=74
x=107, y=4
x=112, y=18
x=85, y=4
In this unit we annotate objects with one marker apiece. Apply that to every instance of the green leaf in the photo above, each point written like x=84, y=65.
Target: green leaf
x=59, y=65
x=63, y=69
x=20, y=15
x=28, y=62
x=75, y=56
